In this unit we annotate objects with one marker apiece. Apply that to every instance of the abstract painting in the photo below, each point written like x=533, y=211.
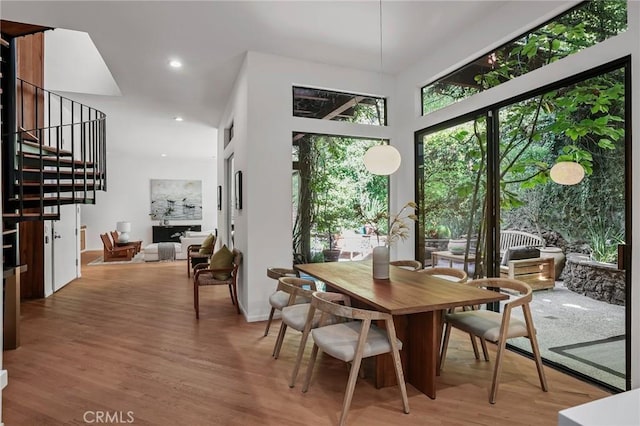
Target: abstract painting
x=176, y=199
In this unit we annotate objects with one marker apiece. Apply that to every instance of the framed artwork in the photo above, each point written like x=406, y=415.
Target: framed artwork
x=219, y=197
x=238, y=190
x=176, y=199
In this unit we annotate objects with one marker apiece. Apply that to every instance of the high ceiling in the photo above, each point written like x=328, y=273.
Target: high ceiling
x=136, y=39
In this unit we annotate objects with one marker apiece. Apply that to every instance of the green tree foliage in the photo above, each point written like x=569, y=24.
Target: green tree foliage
x=583, y=123
x=337, y=181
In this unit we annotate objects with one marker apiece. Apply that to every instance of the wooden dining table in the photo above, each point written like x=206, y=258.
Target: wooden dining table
x=416, y=301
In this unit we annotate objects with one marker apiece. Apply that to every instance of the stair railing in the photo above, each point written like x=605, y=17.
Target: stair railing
x=56, y=156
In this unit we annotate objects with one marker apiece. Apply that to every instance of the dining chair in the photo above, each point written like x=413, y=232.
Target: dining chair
x=294, y=313
x=278, y=299
x=410, y=264
x=352, y=341
x=313, y=321
x=457, y=276
x=498, y=327
x=450, y=274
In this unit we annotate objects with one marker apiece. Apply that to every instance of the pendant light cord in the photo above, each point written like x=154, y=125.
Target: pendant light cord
x=381, y=68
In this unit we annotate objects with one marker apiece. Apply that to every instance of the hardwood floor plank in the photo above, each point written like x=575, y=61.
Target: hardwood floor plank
x=125, y=338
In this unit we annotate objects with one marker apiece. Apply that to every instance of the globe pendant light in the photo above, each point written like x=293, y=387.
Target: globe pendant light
x=567, y=173
x=382, y=159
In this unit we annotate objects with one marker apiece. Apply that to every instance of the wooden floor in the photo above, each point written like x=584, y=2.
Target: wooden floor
x=123, y=339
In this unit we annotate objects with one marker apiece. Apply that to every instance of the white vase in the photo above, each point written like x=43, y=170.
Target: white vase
x=381, y=263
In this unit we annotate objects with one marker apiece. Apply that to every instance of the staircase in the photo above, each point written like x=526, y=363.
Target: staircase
x=61, y=163
x=53, y=153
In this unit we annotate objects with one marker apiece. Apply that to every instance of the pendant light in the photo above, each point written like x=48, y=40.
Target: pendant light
x=567, y=173
x=382, y=159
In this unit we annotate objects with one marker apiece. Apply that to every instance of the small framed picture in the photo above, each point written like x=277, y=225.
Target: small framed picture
x=219, y=197
x=238, y=190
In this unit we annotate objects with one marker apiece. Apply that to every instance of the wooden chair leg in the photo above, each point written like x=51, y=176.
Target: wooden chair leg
x=231, y=295
x=445, y=344
x=474, y=344
x=351, y=384
x=196, y=299
x=534, y=347
x=397, y=362
x=303, y=344
x=485, y=352
x=312, y=361
x=266, y=330
x=234, y=297
x=276, y=348
x=497, y=370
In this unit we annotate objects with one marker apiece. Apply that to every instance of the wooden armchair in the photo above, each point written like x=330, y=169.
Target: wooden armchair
x=410, y=264
x=498, y=327
x=137, y=245
x=203, y=276
x=112, y=253
x=195, y=258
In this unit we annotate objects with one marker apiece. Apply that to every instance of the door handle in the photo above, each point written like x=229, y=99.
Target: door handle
x=57, y=236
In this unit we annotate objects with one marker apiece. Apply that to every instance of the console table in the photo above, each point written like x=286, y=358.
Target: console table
x=172, y=233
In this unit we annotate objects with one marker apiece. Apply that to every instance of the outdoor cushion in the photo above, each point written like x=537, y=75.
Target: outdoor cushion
x=221, y=259
x=207, y=245
x=519, y=252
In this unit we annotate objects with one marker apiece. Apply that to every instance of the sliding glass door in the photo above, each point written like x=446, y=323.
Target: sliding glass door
x=497, y=173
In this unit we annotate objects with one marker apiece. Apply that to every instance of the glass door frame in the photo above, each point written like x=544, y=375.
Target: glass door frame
x=492, y=217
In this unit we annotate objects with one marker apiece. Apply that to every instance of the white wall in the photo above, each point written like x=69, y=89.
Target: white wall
x=261, y=108
x=128, y=195
x=136, y=140
x=410, y=81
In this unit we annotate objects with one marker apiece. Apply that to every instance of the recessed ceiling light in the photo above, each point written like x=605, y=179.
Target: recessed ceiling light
x=163, y=155
x=179, y=119
x=174, y=63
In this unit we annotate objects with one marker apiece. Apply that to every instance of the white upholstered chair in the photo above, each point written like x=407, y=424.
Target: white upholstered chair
x=410, y=264
x=279, y=299
x=352, y=341
x=449, y=274
x=498, y=327
x=294, y=313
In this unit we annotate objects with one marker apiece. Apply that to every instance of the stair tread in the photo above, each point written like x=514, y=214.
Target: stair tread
x=46, y=148
x=63, y=172
x=17, y=215
x=53, y=159
x=9, y=231
x=27, y=135
x=4, y=42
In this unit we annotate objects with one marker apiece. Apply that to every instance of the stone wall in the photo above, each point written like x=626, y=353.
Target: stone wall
x=599, y=281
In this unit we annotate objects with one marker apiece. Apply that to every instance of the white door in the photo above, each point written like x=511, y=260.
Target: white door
x=65, y=246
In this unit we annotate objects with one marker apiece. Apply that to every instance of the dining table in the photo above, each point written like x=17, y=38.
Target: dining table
x=417, y=303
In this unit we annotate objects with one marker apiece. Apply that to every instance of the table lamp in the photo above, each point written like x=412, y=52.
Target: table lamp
x=123, y=228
